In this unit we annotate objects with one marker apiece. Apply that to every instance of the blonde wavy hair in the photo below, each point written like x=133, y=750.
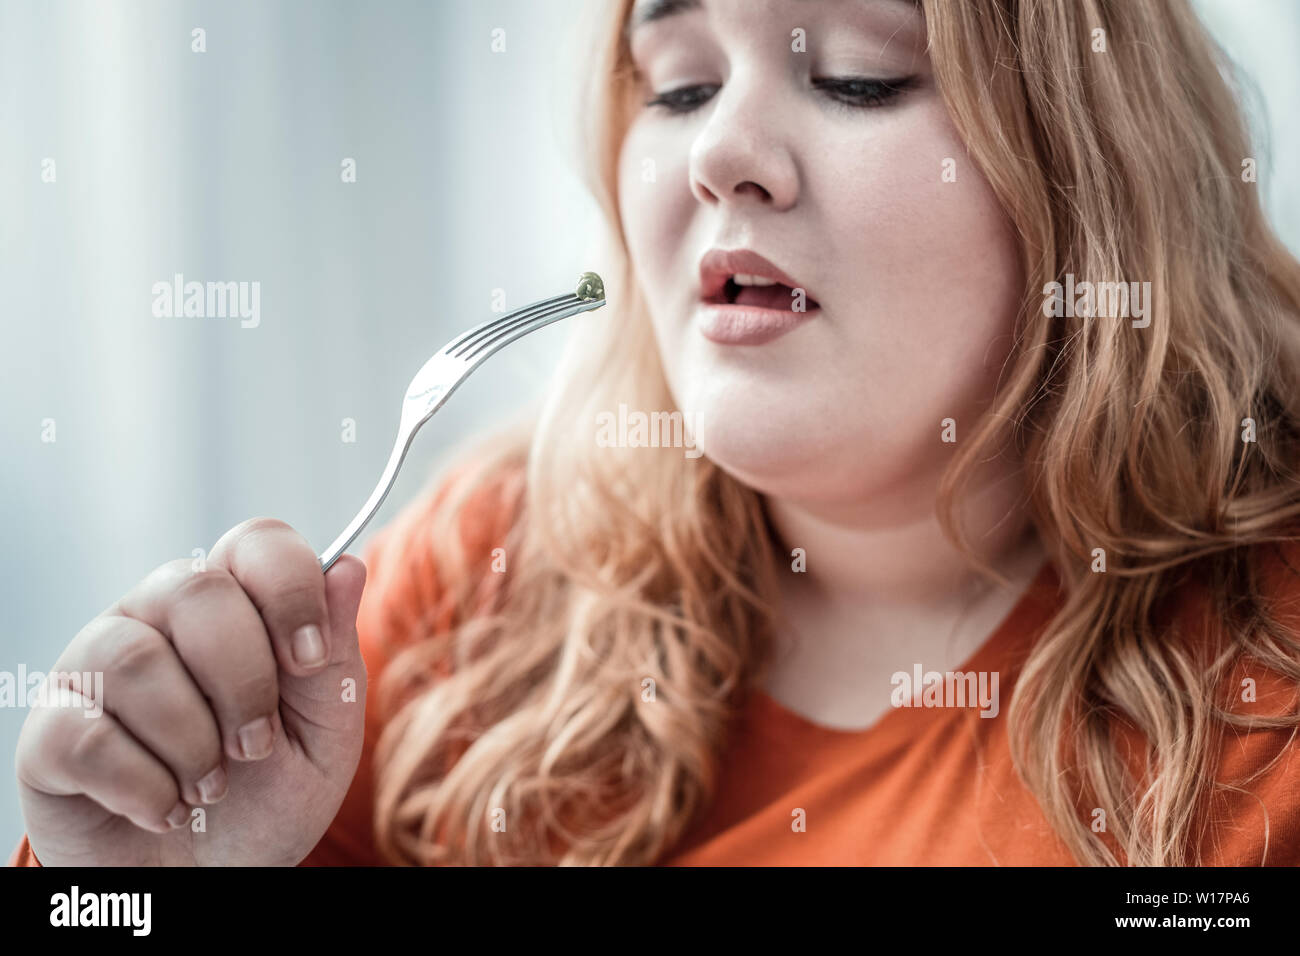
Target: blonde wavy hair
x=627, y=565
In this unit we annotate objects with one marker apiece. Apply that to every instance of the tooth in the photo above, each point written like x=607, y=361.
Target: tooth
x=742, y=278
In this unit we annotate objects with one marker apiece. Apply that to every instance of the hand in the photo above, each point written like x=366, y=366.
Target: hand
x=217, y=694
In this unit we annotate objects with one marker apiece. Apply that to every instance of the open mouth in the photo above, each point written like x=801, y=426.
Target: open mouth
x=760, y=294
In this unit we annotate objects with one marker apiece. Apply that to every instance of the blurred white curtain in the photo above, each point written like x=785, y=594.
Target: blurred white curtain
x=225, y=165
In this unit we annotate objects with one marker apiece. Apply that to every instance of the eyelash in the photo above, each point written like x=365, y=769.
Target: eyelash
x=852, y=92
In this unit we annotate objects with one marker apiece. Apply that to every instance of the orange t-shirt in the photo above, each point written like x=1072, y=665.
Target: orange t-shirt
x=922, y=785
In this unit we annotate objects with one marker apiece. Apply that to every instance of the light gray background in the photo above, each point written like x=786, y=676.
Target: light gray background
x=225, y=166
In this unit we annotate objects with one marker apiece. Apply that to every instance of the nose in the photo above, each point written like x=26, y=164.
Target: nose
x=742, y=153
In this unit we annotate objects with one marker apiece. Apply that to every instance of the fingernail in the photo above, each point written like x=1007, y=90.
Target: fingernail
x=255, y=738
x=213, y=786
x=308, y=646
x=179, y=815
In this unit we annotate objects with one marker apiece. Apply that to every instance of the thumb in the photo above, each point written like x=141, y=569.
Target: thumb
x=332, y=700
x=344, y=583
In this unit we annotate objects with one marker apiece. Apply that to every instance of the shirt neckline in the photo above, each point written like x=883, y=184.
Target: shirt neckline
x=1030, y=610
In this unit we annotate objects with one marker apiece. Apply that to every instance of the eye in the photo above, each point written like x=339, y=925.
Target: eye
x=859, y=92
x=862, y=91
x=684, y=99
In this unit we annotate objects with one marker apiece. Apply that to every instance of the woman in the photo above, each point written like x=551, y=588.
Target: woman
x=991, y=553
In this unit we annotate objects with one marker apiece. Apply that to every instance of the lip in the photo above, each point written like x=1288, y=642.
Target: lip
x=747, y=324
x=729, y=323
x=717, y=265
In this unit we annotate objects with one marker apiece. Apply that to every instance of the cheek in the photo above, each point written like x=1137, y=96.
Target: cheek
x=931, y=266
x=655, y=204
x=929, y=257
x=658, y=210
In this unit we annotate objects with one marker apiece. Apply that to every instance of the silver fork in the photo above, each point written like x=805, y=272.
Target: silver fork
x=450, y=366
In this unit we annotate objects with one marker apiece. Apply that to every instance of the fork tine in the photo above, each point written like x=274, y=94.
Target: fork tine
x=508, y=332
x=491, y=325
x=524, y=317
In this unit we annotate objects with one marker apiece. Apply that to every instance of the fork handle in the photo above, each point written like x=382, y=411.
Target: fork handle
x=400, y=448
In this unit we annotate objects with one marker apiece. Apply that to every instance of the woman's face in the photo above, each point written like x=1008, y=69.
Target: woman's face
x=786, y=143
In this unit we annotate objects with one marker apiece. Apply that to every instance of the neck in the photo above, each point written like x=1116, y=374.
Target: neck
x=890, y=551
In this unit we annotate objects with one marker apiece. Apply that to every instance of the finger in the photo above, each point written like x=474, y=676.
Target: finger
x=220, y=639
x=344, y=585
x=281, y=575
x=149, y=691
x=97, y=757
x=333, y=699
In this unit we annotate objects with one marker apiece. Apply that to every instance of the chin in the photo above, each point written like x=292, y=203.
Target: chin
x=807, y=458
x=769, y=456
